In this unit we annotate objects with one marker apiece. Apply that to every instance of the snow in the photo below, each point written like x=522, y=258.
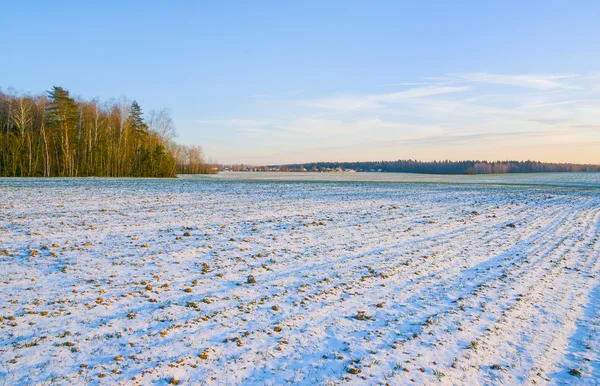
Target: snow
x=362, y=280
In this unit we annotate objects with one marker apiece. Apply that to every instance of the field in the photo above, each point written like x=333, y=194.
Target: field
x=381, y=280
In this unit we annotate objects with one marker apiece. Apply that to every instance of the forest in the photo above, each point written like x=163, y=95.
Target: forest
x=57, y=135
x=445, y=167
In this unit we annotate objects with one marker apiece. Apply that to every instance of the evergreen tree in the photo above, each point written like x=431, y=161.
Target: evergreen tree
x=135, y=119
x=57, y=135
x=62, y=118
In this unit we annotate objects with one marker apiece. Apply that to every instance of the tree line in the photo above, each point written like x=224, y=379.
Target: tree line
x=57, y=135
x=446, y=167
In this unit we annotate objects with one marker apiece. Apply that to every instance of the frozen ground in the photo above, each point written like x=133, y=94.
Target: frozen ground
x=545, y=179
x=109, y=281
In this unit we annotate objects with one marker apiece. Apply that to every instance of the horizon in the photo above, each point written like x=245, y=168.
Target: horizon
x=414, y=160
x=282, y=84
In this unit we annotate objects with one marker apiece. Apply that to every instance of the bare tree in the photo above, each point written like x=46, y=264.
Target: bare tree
x=160, y=122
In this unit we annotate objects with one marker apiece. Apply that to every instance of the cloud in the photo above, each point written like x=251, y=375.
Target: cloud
x=238, y=122
x=454, y=116
x=378, y=100
x=560, y=103
x=537, y=82
x=289, y=92
x=405, y=84
x=453, y=109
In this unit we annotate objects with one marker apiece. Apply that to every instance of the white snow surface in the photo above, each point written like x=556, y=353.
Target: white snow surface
x=149, y=281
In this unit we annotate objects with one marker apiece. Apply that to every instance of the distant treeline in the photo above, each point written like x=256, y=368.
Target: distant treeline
x=447, y=167
x=58, y=135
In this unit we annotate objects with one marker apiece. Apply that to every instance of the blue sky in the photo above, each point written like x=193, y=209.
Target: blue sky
x=282, y=81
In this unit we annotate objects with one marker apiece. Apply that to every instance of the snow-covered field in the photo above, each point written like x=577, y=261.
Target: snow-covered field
x=221, y=281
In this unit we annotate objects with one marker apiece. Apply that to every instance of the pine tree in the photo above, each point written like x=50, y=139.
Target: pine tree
x=135, y=119
x=62, y=118
x=56, y=135
x=138, y=131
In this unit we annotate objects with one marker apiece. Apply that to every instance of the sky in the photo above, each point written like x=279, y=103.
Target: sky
x=272, y=82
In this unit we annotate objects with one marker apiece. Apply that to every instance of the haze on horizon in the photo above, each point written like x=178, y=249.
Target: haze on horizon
x=342, y=81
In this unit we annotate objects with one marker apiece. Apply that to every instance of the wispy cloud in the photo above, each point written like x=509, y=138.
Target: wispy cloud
x=533, y=81
x=238, y=122
x=405, y=84
x=453, y=116
x=561, y=103
x=378, y=100
x=266, y=95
